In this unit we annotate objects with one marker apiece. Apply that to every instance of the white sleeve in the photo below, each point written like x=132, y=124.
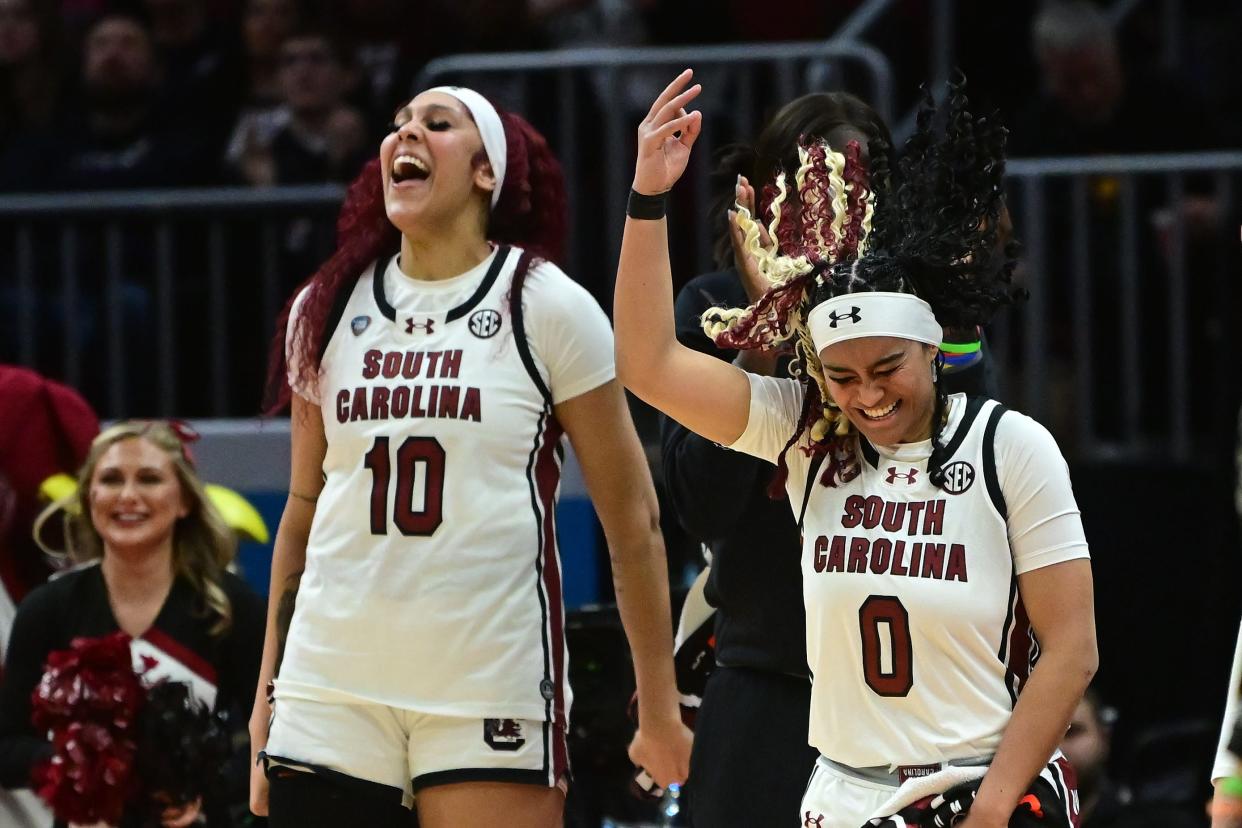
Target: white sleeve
x=1045, y=526
x=304, y=388
x=1226, y=763
x=569, y=332
x=775, y=406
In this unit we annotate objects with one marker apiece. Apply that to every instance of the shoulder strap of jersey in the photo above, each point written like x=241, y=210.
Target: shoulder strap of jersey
x=973, y=406
x=990, y=477
x=339, y=303
x=520, y=272
x=811, y=474
x=489, y=279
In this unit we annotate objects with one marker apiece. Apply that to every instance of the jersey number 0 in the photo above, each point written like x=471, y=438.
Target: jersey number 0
x=414, y=452
x=884, y=616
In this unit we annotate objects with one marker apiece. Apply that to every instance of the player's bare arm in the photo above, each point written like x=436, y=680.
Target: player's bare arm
x=599, y=426
x=710, y=397
x=1061, y=605
x=288, y=560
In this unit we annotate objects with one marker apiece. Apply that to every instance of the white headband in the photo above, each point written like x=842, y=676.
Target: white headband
x=490, y=128
x=856, y=315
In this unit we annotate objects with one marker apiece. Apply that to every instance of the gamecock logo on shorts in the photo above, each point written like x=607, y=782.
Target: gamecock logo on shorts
x=503, y=734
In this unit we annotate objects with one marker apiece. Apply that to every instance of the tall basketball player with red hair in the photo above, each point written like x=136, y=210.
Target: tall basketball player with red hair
x=435, y=361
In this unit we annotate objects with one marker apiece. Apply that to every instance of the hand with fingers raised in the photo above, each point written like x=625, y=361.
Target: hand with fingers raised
x=665, y=137
x=752, y=280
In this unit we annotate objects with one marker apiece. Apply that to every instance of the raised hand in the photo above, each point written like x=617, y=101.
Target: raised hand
x=754, y=282
x=665, y=137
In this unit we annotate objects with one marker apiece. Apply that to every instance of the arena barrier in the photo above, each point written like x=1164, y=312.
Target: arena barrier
x=162, y=302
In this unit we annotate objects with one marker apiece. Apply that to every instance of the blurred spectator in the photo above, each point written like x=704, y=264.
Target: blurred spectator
x=1153, y=795
x=200, y=64
x=30, y=65
x=152, y=553
x=118, y=139
x=318, y=136
x=580, y=23
x=388, y=56
x=1087, y=745
x=265, y=25
x=1090, y=104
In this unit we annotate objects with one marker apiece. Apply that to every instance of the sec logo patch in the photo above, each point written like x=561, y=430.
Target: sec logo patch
x=485, y=323
x=958, y=477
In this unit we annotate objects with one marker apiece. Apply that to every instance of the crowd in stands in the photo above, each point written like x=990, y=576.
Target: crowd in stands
x=138, y=94
x=102, y=94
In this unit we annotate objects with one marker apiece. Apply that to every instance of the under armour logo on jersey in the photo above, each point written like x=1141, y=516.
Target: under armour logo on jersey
x=426, y=327
x=359, y=324
x=894, y=476
x=854, y=316
x=958, y=476
x=813, y=821
x=484, y=323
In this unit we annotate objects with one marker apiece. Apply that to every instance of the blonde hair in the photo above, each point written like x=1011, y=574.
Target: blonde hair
x=203, y=545
x=829, y=222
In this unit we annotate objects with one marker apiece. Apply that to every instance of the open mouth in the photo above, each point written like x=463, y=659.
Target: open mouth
x=129, y=519
x=882, y=412
x=409, y=168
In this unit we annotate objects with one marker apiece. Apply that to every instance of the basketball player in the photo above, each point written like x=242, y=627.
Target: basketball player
x=750, y=757
x=435, y=361
x=939, y=534
x=1227, y=769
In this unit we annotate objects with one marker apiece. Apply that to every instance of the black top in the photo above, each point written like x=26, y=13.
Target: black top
x=76, y=604
x=721, y=498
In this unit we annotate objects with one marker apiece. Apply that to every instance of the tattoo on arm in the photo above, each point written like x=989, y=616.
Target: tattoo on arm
x=284, y=614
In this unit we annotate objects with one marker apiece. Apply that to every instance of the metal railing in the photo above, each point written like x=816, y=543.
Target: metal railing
x=1116, y=348
x=941, y=57
x=588, y=102
x=163, y=302
x=121, y=293
x=1128, y=301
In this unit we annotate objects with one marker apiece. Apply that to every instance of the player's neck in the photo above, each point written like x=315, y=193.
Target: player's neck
x=438, y=256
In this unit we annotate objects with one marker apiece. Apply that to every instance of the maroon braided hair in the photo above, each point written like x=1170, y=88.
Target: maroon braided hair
x=805, y=229
x=530, y=213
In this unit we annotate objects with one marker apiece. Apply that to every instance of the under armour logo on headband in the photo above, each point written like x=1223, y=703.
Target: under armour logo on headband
x=853, y=316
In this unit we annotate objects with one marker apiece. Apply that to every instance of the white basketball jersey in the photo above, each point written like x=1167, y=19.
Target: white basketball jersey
x=916, y=635
x=927, y=636
x=432, y=577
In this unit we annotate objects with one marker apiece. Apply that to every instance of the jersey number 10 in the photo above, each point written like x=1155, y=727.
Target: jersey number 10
x=415, y=451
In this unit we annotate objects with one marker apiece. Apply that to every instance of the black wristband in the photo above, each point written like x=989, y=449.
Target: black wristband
x=646, y=207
